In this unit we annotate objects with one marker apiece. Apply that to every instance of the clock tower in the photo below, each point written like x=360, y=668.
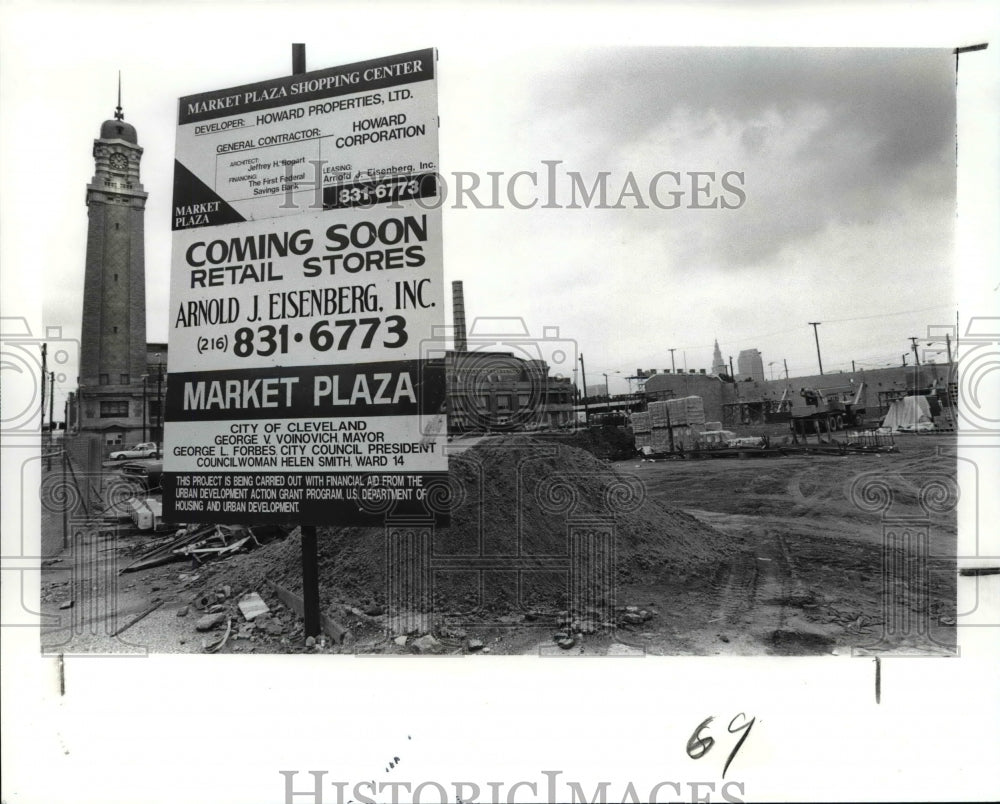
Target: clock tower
x=113, y=352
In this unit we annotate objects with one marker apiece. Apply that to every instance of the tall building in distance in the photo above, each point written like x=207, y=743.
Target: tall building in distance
x=718, y=364
x=111, y=400
x=750, y=365
x=500, y=389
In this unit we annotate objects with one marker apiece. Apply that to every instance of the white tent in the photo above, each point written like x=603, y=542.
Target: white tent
x=909, y=414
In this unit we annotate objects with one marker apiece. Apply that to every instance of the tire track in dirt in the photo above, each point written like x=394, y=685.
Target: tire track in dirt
x=761, y=601
x=743, y=620
x=740, y=591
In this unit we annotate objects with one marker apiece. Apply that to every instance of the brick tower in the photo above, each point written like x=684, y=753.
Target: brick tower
x=113, y=353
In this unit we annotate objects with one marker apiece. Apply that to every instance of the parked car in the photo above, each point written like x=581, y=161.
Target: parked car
x=147, y=449
x=149, y=473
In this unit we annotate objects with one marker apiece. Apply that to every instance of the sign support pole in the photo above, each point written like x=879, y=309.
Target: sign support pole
x=310, y=555
x=310, y=581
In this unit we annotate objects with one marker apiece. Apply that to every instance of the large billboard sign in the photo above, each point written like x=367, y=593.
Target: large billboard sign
x=306, y=272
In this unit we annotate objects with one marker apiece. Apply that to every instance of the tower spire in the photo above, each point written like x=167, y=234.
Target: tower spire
x=718, y=365
x=119, y=114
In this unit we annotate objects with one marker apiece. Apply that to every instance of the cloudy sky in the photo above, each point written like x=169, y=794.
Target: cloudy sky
x=848, y=169
x=846, y=156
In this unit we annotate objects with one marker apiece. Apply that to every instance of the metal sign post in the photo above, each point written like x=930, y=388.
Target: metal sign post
x=310, y=548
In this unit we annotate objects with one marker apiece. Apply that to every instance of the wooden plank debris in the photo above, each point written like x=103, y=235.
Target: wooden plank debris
x=138, y=617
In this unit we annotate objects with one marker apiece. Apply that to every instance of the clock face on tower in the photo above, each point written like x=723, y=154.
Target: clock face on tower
x=118, y=162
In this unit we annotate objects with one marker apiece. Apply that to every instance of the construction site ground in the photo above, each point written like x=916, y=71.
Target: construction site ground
x=810, y=577
x=792, y=565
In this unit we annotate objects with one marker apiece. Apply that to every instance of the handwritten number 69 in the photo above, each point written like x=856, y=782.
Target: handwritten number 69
x=698, y=745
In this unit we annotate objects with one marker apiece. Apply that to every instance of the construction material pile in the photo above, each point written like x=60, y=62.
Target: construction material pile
x=519, y=500
x=716, y=437
x=199, y=543
x=670, y=425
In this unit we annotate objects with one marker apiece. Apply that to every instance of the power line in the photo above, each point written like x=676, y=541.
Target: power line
x=761, y=337
x=888, y=315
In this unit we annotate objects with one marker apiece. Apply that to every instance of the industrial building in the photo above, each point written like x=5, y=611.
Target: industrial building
x=495, y=389
x=757, y=402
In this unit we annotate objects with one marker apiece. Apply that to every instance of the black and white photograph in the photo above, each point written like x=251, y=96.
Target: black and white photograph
x=498, y=404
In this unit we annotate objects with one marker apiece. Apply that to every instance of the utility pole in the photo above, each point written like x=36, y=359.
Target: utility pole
x=583, y=372
x=52, y=393
x=785, y=361
x=44, y=375
x=916, y=356
x=65, y=458
x=947, y=390
x=904, y=361
x=852, y=367
x=159, y=403
x=814, y=325
x=673, y=368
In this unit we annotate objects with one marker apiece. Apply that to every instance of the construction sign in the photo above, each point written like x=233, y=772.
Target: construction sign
x=306, y=273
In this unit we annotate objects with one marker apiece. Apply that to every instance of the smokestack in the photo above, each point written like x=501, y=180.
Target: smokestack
x=458, y=313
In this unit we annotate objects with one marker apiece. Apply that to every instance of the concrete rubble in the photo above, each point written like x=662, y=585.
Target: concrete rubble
x=210, y=621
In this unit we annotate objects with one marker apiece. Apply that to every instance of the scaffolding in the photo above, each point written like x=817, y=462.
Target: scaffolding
x=760, y=411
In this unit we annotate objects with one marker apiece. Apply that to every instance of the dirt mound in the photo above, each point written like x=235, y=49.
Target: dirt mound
x=525, y=512
x=608, y=442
